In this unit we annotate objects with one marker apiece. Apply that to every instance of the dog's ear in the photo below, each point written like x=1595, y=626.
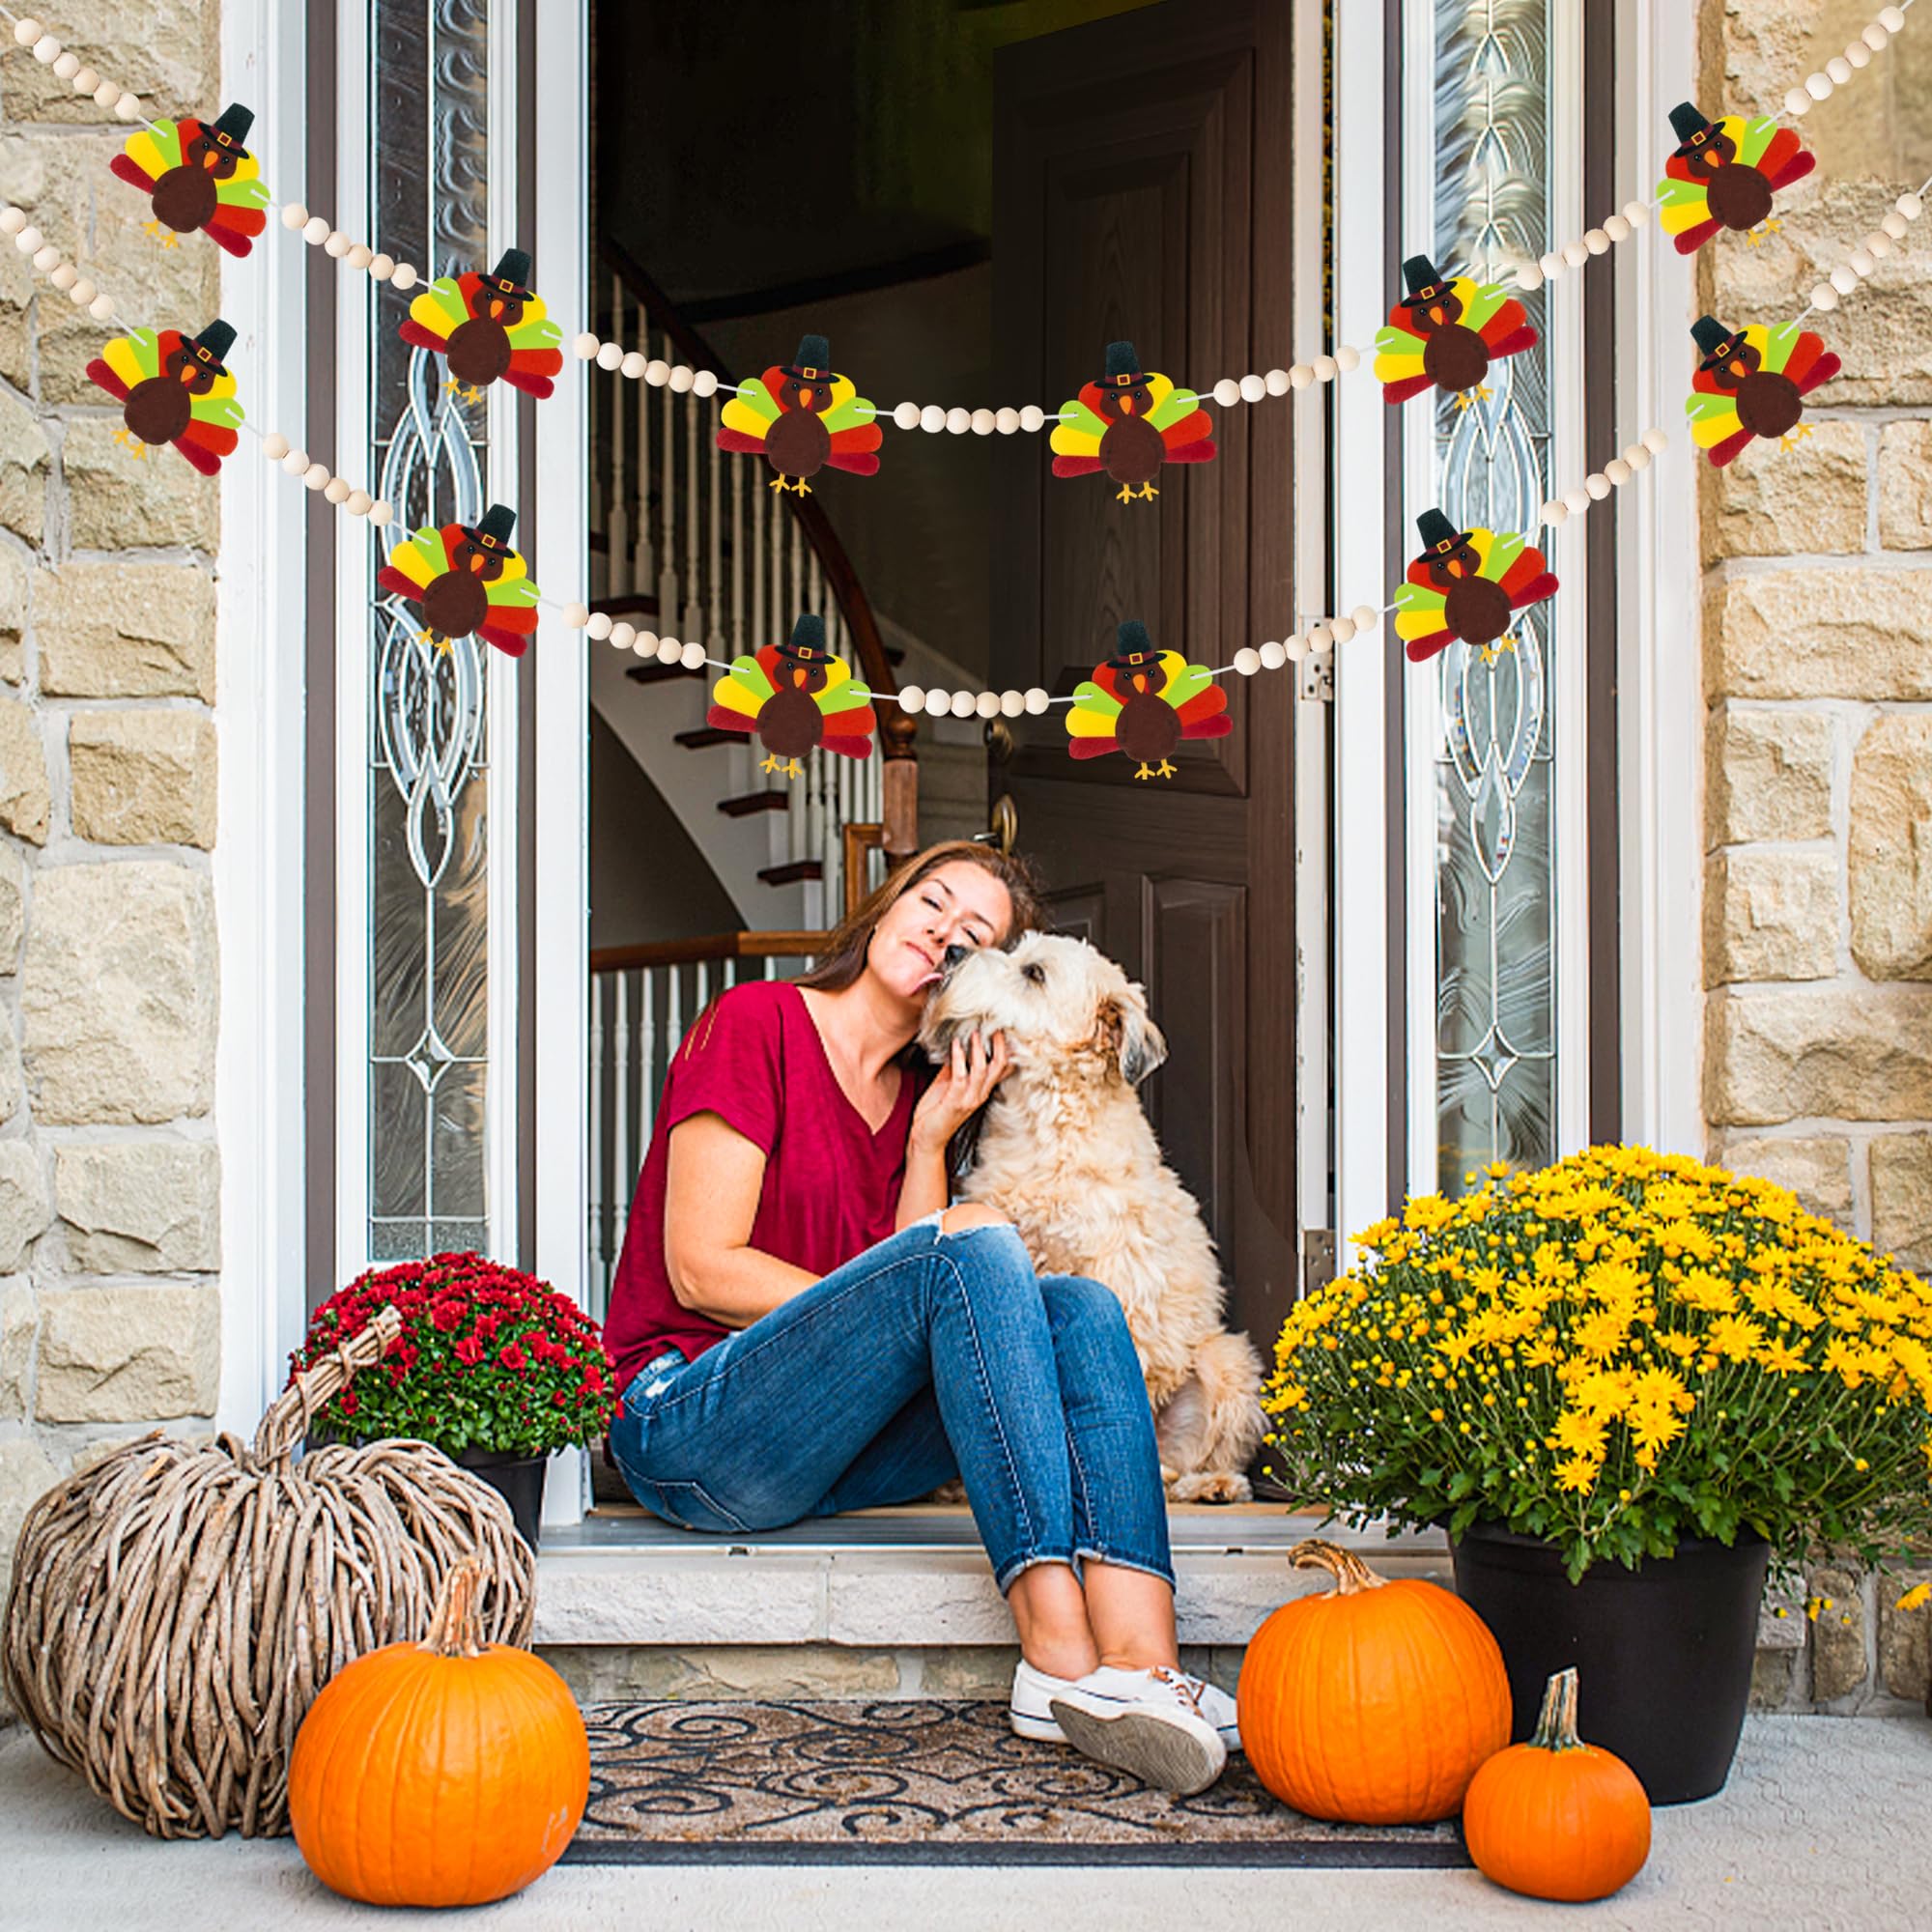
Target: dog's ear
x=1137, y=1046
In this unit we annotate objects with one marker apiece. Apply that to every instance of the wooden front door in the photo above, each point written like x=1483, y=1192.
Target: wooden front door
x=1142, y=193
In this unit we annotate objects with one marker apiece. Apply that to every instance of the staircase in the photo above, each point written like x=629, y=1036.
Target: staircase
x=689, y=542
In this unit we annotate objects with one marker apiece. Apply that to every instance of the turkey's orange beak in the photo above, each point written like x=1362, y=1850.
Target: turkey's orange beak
x=496, y=307
x=798, y=675
x=1140, y=680
x=1737, y=366
x=211, y=160
x=477, y=563
x=1436, y=312
x=804, y=395
x=1455, y=567
x=187, y=372
x=1127, y=405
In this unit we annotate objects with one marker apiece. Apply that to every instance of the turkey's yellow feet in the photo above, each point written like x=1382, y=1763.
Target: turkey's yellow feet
x=469, y=392
x=436, y=637
x=129, y=441
x=1491, y=652
x=1147, y=493
x=772, y=763
x=801, y=487
x=168, y=238
x=1467, y=399
x=794, y=770
x=1161, y=771
x=787, y=768
x=1771, y=225
x=1798, y=434
x=1126, y=495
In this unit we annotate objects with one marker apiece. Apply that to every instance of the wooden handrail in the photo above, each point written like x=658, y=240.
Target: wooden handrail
x=897, y=728
x=707, y=946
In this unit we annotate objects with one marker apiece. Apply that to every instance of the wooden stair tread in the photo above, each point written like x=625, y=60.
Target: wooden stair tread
x=660, y=674
x=755, y=801
x=632, y=604
x=703, y=735
x=793, y=873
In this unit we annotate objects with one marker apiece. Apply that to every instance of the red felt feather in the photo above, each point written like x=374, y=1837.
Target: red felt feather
x=856, y=463
x=130, y=171
x=1785, y=160
x=857, y=722
x=1204, y=714
x=526, y=373
x=1075, y=466
x=1514, y=343
x=1806, y=353
x=511, y=642
x=97, y=372
x=1503, y=327
x=1822, y=372
x=1194, y=452
x=392, y=580
x=1526, y=581
x=205, y=445
x=721, y=720
x=1196, y=427
x=235, y=229
x=1693, y=239
x=856, y=440
x=736, y=438
x=1732, y=447
x=1419, y=650
x=413, y=332
x=1409, y=386
x=1091, y=747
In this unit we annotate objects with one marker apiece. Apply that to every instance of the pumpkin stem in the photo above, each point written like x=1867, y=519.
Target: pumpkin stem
x=455, y=1630
x=1556, y=1723
x=1351, y=1573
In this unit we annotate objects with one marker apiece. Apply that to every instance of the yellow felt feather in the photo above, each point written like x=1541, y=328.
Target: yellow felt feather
x=120, y=356
x=1397, y=366
x=1082, y=723
x=413, y=564
x=144, y=150
x=439, y=309
x=734, y=696
x=1070, y=439
x=1411, y=624
x=743, y=417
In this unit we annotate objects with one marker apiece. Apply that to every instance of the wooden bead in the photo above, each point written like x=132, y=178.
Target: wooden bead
x=380, y=513
x=335, y=490
x=1655, y=442
x=1862, y=262
x=127, y=108
x=1638, y=456
x=623, y=635
x=107, y=94
x=1011, y=703
x=46, y=258
x=100, y=309
x=1635, y=213
x=1365, y=617
x=315, y=231
x=1344, y=629
x=1276, y=382
x=633, y=365
x=85, y=81
x=27, y=32
x=986, y=704
x=315, y=477
x=336, y=244
x=29, y=239
x=1036, y=701
x=642, y=647
x=691, y=657
x=1596, y=241
x=1529, y=276
x=360, y=256
x=577, y=615
x=1797, y=102
x=1227, y=392
x=912, y=697
x=704, y=382
x=1616, y=228
x=1273, y=655
x=1596, y=486
x=983, y=424
x=359, y=503
x=1252, y=388
x=1574, y=254
x=1910, y=206
x=962, y=705
x=1839, y=69
x=599, y=625
x=47, y=50
x=932, y=419
x=63, y=277
x=610, y=355
x=82, y=293
x=1878, y=245
x=1825, y=297
x=295, y=461
x=1005, y=421
x=1032, y=416
x=1295, y=648
x=1348, y=359
x=1843, y=280
x=1618, y=472
x=1875, y=37
x=405, y=277
x=583, y=346
x=681, y=374
x=13, y=220
x=382, y=267
x=1818, y=86
x=1320, y=637
x=66, y=66
x=1551, y=266
x=1326, y=368
x=1301, y=375
x=294, y=214
x=1555, y=512
x=938, y=703
x=274, y=445
x=958, y=422
x=906, y=416
x=1247, y=661
x=1577, y=500
x=1891, y=19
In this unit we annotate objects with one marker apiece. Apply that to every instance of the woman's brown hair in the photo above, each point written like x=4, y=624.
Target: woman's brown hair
x=844, y=956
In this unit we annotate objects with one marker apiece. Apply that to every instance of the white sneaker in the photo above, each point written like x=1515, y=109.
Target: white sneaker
x=1034, y=1692
x=1144, y=1722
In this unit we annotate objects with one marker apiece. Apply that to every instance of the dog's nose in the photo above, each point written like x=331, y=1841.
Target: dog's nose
x=952, y=957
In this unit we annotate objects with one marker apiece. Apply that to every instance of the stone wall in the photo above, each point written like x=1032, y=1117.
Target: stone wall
x=1817, y=618
x=109, y=1174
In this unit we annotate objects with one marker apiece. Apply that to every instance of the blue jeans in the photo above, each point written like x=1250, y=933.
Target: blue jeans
x=928, y=1356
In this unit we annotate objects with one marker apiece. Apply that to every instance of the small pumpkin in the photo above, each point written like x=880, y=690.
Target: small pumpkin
x=1557, y=1818
x=1375, y=1703
x=449, y=1772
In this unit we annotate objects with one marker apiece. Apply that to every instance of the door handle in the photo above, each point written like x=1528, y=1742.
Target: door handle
x=1004, y=824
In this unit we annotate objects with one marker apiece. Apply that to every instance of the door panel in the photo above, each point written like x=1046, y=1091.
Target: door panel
x=1142, y=193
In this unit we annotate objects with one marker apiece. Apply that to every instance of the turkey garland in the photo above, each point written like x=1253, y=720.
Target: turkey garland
x=802, y=417
x=1467, y=584
x=1723, y=175
x=1129, y=424
x=1752, y=383
x=795, y=698
x=198, y=175
x=488, y=328
x=465, y=578
x=1144, y=701
x=173, y=388
x=1445, y=333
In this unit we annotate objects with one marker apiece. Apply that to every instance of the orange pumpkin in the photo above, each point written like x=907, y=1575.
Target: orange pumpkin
x=449, y=1772
x=1557, y=1818
x=1375, y=1703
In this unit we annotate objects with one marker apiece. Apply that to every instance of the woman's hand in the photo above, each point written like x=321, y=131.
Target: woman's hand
x=971, y=1073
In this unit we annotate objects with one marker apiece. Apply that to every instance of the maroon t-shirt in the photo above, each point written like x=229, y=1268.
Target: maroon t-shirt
x=831, y=1189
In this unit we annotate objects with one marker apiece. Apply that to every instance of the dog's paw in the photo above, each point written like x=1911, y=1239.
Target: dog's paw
x=1212, y=1486
x=953, y=1491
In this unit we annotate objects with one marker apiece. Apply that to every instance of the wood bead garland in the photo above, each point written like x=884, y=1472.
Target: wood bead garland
x=342, y=247
x=316, y=476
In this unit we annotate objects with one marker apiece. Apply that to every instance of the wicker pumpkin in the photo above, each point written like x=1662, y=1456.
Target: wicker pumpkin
x=1557, y=1818
x=174, y=1608
x=449, y=1772
x=1373, y=1704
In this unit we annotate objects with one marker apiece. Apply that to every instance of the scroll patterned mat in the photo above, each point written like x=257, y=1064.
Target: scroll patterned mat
x=920, y=1781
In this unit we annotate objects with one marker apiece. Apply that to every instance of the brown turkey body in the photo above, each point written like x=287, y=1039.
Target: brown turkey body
x=184, y=198
x=790, y=723
x=1132, y=452
x=455, y=604
x=159, y=410
x=1454, y=357
x=1147, y=728
x=1476, y=610
x=479, y=351
x=1769, y=404
x=797, y=444
x=1740, y=197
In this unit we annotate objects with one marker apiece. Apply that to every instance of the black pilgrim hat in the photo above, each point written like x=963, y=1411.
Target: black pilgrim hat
x=1133, y=646
x=511, y=271
x=1714, y=339
x=491, y=530
x=1439, y=536
x=1424, y=283
x=1690, y=127
x=807, y=642
x=231, y=131
x=213, y=343
x=1124, y=367
x=813, y=362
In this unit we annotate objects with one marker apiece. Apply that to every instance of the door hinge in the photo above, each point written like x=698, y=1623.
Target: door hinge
x=1317, y=1258
x=1317, y=682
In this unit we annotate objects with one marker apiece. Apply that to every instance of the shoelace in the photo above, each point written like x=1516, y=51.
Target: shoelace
x=1191, y=1687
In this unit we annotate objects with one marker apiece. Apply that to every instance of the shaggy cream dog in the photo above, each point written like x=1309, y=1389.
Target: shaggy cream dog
x=1066, y=1155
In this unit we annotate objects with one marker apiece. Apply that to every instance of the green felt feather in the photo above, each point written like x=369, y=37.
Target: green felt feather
x=224, y=412
x=1674, y=195
x=854, y=411
x=1505, y=547
x=1393, y=340
x=1780, y=343
x=1418, y=597
x=447, y=298
x=1179, y=402
x=146, y=347
x=250, y=193
x=1088, y=696
x=430, y=543
x=1483, y=303
x=1189, y=685
x=540, y=333
x=166, y=137
x=753, y=395
x=845, y=695
x=1701, y=407
x=520, y=593
x=1756, y=137
x=750, y=673
x=1080, y=420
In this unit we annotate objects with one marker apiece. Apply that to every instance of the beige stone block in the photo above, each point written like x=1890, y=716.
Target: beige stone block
x=723, y=1672
x=165, y=50
x=1818, y=1170
x=1765, y=504
x=118, y=993
x=113, y=503
x=1768, y=776
x=1905, y=486
x=1852, y=632
x=1904, y=1637
x=12, y=908
x=128, y=1354
x=1771, y=915
x=24, y=1211
x=1855, y=1053
x=26, y=1474
x=140, y=1206
x=24, y=800
x=1889, y=855
x=1838, y=1635
x=13, y=1080
x=1901, y=1196
x=14, y=580
x=24, y=473
x=17, y=1349
x=143, y=778
x=126, y=630
x=975, y=1670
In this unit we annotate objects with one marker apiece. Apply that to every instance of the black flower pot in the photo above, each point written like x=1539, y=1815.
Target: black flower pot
x=518, y=1479
x=1662, y=1651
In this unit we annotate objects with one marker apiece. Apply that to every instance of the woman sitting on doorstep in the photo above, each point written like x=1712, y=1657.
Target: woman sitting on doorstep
x=802, y=1325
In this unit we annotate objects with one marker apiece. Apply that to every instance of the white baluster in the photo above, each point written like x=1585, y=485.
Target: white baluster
x=648, y=1053
x=667, y=527
x=691, y=624
x=602, y=1253
x=645, y=567
x=737, y=558
x=620, y=1139
x=673, y=1014
x=619, y=530
x=715, y=535
x=760, y=562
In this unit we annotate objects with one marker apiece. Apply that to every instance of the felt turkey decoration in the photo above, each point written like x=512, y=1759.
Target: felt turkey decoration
x=465, y=578
x=1723, y=175
x=174, y=389
x=1129, y=424
x=198, y=175
x=488, y=328
x=1444, y=334
x=794, y=696
x=1467, y=584
x=1751, y=383
x=801, y=418
x=1144, y=702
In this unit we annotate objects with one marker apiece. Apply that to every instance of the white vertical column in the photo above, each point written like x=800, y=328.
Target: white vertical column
x=617, y=528
x=668, y=512
x=691, y=623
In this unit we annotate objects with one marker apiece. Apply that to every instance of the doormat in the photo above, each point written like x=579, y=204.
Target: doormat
x=924, y=1781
